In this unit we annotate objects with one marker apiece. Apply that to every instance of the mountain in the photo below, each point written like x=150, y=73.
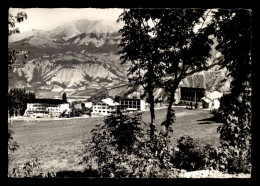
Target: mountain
x=80, y=58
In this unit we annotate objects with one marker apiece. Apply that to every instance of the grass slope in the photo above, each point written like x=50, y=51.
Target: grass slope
x=57, y=143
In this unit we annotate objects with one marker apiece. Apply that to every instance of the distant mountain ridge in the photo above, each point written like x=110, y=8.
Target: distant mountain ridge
x=80, y=58
x=76, y=56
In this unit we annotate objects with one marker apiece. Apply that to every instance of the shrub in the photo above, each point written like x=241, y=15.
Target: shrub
x=12, y=145
x=235, y=133
x=232, y=160
x=29, y=169
x=188, y=155
x=119, y=148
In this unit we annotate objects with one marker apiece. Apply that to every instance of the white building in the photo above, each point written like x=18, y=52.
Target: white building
x=104, y=107
x=46, y=107
x=131, y=104
x=88, y=104
x=212, y=100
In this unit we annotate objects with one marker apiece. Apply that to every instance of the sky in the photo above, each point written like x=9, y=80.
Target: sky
x=50, y=18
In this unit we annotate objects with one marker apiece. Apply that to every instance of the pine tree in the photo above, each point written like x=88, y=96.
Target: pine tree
x=64, y=97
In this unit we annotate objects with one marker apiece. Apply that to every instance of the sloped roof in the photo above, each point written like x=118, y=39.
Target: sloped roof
x=214, y=95
x=207, y=100
x=109, y=102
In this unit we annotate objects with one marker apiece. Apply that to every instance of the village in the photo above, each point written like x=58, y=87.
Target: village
x=192, y=98
x=129, y=93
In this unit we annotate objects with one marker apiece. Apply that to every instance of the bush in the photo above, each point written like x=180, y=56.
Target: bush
x=119, y=148
x=188, y=156
x=235, y=133
x=29, y=169
x=232, y=160
x=12, y=145
x=191, y=157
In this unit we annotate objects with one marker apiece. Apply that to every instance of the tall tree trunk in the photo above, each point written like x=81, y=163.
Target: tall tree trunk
x=152, y=124
x=151, y=99
x=167, y=123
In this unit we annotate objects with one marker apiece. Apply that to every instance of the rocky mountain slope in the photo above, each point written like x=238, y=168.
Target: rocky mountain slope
x=80, y=58
x=75, y=57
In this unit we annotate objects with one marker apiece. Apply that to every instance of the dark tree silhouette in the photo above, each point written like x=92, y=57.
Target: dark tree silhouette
x=232, y=28
x=140, y=49
x=17, y=101
x=163, y=48
x=64, y=97
x=185, y=51
x=15, y=55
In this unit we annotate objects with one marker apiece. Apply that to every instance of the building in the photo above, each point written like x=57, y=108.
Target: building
x=46, y=107
x=88, y=104
x=211, y=100
x=192, y=95
x=131, y=104
x=104, y=107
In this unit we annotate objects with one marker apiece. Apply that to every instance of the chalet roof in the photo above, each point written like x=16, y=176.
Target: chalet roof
x=214, y=95
x=109, y=102
x=50, y=101
x=207, y=100
x=211, y=96
x=129, y=98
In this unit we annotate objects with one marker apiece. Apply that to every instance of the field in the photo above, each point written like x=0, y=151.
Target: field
x=58, y=143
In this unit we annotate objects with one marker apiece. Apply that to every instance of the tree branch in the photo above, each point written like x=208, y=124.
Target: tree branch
x=204, y=21
x=219, y=59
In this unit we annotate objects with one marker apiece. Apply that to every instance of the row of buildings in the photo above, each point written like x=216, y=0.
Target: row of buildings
x=57, y=107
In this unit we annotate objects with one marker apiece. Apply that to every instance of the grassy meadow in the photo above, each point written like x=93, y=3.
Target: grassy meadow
x=58, y=143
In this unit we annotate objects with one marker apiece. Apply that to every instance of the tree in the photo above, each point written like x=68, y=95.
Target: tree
x=64, y=97
x=164, y=48
x=14, y=55
x=139, y=47
x=185, y=50
x=232, y=28
x=17, y=101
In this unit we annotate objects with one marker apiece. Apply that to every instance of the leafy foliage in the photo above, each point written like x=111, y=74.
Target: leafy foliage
x=232, y=28
x=29, y=169
x=140, y=48
x=188, y=156
x=80, y=111
x=12, y=20
x=14, y=55
x=162, y=43
x=12, y=145
x=119, y=148
x=17, y=100
x=183, y=49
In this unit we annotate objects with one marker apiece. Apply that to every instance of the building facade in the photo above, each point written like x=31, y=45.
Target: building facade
x=131, y=104
x=46, y=107
x=104, y=107
x=190, y=95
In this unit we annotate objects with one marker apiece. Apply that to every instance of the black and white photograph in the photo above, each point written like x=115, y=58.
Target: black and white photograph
x=129, y=93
